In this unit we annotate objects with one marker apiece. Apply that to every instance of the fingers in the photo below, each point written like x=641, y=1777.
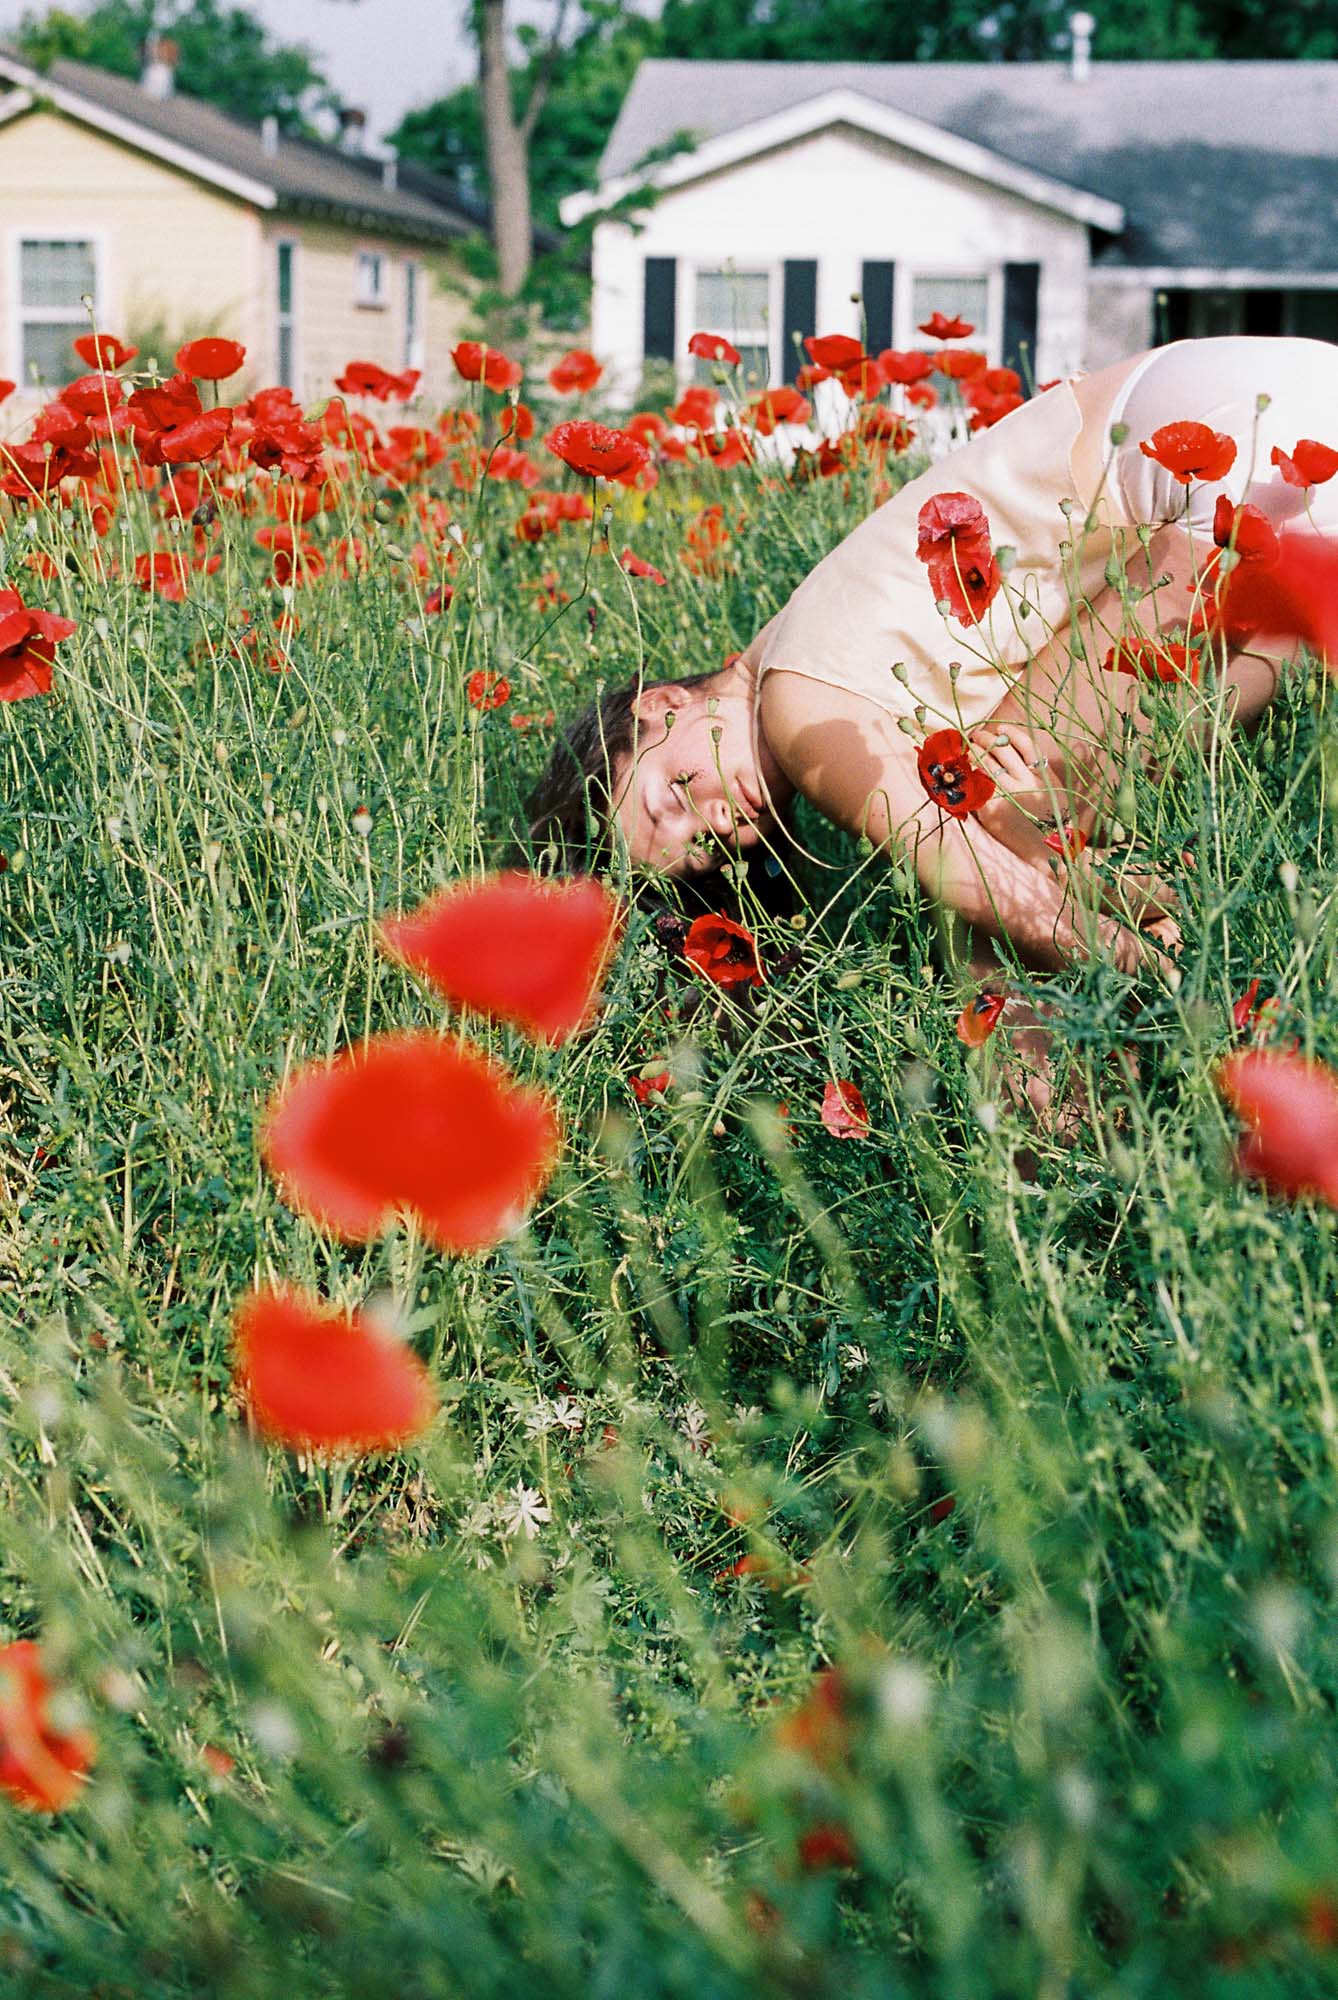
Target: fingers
x=1008, y=756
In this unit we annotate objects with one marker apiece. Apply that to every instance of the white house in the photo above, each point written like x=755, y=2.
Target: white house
x=1073, y=212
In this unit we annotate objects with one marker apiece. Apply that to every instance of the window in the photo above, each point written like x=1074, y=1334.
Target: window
x=737, y=304
x=56, y=276
x=957, y=295
x=413, y=315
x=369, y=287
x=285, y=317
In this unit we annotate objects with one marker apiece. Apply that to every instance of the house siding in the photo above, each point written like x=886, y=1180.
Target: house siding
x=841, y=198
x=171, y=252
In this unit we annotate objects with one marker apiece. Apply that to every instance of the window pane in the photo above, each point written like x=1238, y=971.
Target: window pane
x=285, y=278
x=56, y=273
x=732, y=302
x=49, y=351
x=286, y=355
x=967, y=298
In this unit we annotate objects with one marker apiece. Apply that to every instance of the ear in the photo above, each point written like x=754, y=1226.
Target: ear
x=657, y=704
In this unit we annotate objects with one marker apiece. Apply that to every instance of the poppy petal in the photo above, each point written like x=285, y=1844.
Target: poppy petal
x=1290, y=1105
x=313, y=1377
x=411, y=1121
x=514, y=948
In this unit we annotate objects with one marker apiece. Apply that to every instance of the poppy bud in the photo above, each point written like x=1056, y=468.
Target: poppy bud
x=1119, y=433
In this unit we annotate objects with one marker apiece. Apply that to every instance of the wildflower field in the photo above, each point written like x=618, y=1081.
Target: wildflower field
x=551, y=1452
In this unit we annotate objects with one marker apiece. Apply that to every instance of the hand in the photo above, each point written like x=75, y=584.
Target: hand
x=1009, y=756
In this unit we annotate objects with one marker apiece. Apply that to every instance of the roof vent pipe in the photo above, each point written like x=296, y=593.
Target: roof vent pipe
x=1082, y=27
x=269, y=134
x=158, y=78
x=352, y=128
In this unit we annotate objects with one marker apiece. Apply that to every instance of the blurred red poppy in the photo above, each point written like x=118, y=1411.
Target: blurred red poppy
x=517, y=421
x=695, y=408
x=576, y=372
x=635, y=565
x=1290, y=1105
x=844, y=1112
x=826, y=1845
x=643, y=1087
x=954, y=544
x=1246, y=529
x=41, y=1768
x=514, y=947
x=980, y=1017
x=714, y=347
x=317, y=1379
x=962, y=363
x=210, y=359
x=939, y=327
x=369, y=378
x=1296, y=597
x=28, y=641
x=822, y=1727
x=1154, y=660
x=1068, y=840
x=905, y=365
x=1257, y=1020
x=485, y=689
x=836, y=351
x=1309, y=463
x=411, y=1121
x=7, y=388
x=103, y=350
x=647, y=426
x=723, y=951
x=477, y=363
x=947, y=774
x=777, y=406
x=1191, y=451
x=597, y=451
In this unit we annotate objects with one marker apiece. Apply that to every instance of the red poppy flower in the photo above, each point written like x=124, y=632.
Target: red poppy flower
x=905, y=365
x=1191, y=451
x=485, y=689
x=637, y=566
x=517, y=422
x=647, y=427
x=1296, y=597
x=103, y=350
x=1069, y=840
x=836, y=351
x=954, y=544
x=28, y=641
x=514, y=947
x=643, y=1087
x=821, y=1728
x=695, y=408
x=883, y=426
x=369, y=378
x=808, y=377
x=7, y=388
x=410, y=1121
x=172, y=427
x=723, y=951
x=1290, y=1105
x=477, y=363
x=827, y=1845
x=211, y=359
x=41, y=1767
x=864, y=379
x=844, y=1112
x=1247, y=529
x=577, y=371
x=980, y=1017
x=94, y=395
x=1258, y=1021
x=714, y=347
x=315, y=1378
x=597, y=451
x=1154, y=660
x=777, y=406
x=1309, y=463
x=939, y=327
x=962, y=364
x=947, y=774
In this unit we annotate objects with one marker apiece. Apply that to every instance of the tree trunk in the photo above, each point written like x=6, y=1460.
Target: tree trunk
x=507, y=150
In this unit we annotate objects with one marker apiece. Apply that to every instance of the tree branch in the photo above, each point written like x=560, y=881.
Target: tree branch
x=544, y=80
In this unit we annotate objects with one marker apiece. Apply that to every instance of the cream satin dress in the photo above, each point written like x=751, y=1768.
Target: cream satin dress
x=1065, y=503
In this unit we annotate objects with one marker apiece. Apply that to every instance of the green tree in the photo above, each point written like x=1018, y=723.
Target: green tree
x=226, y=54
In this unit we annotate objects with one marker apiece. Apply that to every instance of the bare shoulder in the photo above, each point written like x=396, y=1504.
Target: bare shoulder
x=845, y=754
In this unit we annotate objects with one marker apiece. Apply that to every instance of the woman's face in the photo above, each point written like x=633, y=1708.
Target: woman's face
x=695, y=791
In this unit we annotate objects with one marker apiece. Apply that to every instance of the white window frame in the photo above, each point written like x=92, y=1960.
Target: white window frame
x=76, y=317
x=906, y=333
x=293, y=245
x=685, y=307
x=365, y=297
x=414, y=283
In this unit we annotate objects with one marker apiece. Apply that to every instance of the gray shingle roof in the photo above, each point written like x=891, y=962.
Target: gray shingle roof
x=306, y=176
x=1217, y=164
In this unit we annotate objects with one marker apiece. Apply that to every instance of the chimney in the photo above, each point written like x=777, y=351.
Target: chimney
x=1082, y=27
x=159, y=75
x=390, y=173
x=352, y=129
x=269, y=134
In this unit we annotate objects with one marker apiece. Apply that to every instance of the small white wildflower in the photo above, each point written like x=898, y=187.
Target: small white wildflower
x=693, y=1424
x=539, y=1420
x=121, y=951
x=526, y=1512
x=274, y=1729
x=905, y=1693
x=339, y=737
x=361, y=821
x=853, y=1358
x=987, y=1117
x=479, y=1520
x=568, y=1415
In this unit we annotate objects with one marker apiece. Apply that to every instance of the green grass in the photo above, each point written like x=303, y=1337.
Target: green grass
x=1091, y=1748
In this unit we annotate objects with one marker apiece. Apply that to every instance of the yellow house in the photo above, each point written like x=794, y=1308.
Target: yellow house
x=173, y=216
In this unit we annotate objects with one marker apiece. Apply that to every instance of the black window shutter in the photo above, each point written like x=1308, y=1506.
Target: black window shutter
x=799, y=310
x=660, y=331
x=1021, y=293
x=876, y=286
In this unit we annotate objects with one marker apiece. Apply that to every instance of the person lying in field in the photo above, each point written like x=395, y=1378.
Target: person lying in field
x=961, y=709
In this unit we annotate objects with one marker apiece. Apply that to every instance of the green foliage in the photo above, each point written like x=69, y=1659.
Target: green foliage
x=227, y=55
x=1046, y=1464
